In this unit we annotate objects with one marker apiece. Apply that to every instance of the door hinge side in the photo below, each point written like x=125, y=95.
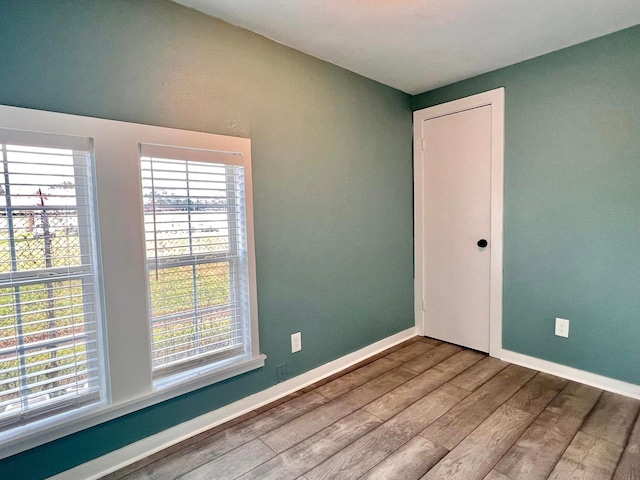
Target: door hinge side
x=423, y=304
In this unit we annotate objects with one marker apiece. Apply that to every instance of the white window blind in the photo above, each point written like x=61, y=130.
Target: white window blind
x=195, y=227
x=49, y=348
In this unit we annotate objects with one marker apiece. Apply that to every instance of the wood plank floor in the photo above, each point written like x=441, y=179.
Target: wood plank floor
x=421, y=410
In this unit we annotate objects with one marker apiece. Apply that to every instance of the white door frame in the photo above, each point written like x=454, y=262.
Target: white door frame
x=495, y=98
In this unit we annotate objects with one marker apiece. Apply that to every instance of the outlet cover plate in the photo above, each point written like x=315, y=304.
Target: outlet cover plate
x=296, y=342
x=562, y=327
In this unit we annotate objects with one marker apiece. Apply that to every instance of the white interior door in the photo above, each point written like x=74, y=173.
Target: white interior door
x=457, y=223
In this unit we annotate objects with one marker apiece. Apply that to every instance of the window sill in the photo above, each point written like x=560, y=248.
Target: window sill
x=184, y=382
x=46, y=430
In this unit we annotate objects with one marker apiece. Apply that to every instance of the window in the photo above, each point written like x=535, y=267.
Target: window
x=127, y=269
x=49, y=348
x=195, y=228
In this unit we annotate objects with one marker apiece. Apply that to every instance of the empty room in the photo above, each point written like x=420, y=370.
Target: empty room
x=338, y=239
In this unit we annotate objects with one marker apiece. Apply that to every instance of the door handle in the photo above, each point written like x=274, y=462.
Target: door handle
x=482, y=243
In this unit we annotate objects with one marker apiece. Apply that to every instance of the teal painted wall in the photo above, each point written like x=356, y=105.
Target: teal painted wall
x=332, y=168
x=572, y=202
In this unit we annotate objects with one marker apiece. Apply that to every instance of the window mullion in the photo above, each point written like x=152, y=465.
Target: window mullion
x=42, y=276
x=186, y=260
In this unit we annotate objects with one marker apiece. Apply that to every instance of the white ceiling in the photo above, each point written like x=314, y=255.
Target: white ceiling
x=418, y=45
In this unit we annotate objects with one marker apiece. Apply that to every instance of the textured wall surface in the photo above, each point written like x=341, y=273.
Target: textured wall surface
x=572, y=202
x=332, y=167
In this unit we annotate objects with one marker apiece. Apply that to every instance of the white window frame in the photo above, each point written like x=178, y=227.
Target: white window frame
x=236, y=256
x=120, y=230
x=88, y=272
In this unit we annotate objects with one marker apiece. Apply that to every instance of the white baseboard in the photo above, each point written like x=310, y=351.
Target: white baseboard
x=570, y=373
x=124, y=456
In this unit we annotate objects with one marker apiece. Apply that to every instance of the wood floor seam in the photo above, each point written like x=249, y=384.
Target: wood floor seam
x=568, y=444
x=599, y=439
x=636, y=421
x=628, y=467
x=382, y=420
x=436, y=443
x=382, y=460
x=534, y=418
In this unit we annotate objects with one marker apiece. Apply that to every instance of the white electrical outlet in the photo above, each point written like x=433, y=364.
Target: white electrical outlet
x=562, y=327
x=296, y=342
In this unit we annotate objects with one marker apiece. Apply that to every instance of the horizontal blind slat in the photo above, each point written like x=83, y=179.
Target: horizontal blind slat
x=179, y=364
x=60, y=358
x=60, y=378
x=202, y=337
x=43, y=140
x=168, y=153
x=181, y=316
